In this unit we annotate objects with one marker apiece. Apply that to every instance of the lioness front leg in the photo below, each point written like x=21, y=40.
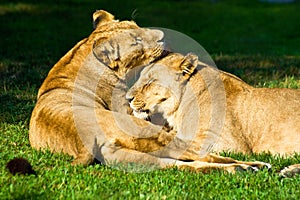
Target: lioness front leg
x=153, y=143
x=207, y=167
x=113, y=154
x=213, y=158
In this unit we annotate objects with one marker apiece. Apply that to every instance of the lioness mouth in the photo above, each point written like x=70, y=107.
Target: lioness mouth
x=162, y=55
x=144, y=111
x=142, y=114
x=147, y=118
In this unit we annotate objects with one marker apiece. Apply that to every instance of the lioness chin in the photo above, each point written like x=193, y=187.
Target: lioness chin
x=216, y=111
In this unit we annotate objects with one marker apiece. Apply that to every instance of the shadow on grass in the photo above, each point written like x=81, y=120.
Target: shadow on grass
x=16, y=107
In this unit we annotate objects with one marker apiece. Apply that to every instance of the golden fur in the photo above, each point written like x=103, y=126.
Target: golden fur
x=215, y=111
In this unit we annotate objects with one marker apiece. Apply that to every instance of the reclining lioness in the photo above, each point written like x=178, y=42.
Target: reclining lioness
x=81, y=84
x=216, y=111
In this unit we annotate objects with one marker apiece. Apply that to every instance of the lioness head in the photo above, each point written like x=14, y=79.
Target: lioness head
x=129, y=48
x=160, y=86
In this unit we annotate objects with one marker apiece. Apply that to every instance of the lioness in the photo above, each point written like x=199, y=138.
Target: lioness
x=79, y=110
x=84, y=79
x=189, y=93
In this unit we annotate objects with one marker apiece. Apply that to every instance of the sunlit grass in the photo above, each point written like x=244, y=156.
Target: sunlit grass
x=287, y=82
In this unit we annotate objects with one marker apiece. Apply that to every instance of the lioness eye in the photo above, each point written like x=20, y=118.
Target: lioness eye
x=150, y=81
x=139, y=40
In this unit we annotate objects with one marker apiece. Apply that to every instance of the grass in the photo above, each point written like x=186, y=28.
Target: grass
x=257, y=41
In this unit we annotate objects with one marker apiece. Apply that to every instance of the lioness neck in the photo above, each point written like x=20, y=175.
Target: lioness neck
x=170, y=111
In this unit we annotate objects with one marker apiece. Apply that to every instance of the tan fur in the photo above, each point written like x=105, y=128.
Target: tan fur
x=229, y=115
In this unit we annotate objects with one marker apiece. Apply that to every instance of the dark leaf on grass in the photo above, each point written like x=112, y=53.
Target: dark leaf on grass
x=20, y=166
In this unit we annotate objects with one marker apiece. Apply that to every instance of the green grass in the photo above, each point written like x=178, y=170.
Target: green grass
x=257, y=41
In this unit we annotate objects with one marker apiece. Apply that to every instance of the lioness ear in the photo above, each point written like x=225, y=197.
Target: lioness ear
x=101, y=17
x=189, y=64
x=107, y=52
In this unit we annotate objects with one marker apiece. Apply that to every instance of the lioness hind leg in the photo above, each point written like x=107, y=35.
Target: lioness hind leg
x=213, y=158
x=290, y=171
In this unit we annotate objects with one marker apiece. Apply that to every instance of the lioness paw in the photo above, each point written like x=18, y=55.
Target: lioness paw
x=261, y=165
x=166, y=137
x=84, y=159
x=290, y=171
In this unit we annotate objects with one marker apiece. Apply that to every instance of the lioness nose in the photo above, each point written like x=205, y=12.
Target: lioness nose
x=129, y=97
